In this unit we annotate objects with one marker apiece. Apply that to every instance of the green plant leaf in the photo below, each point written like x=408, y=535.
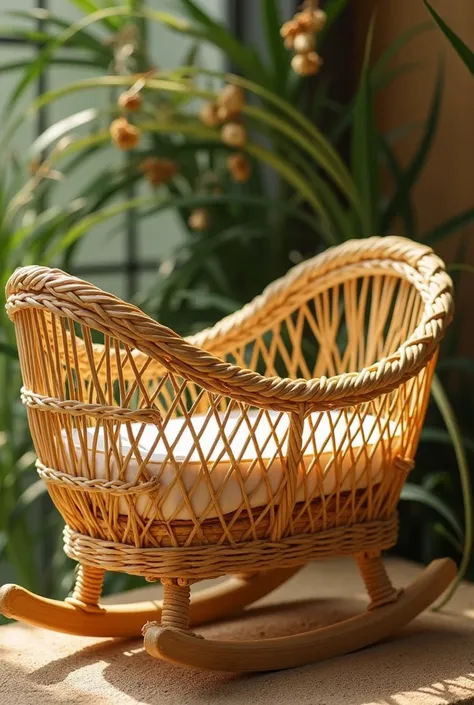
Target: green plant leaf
x=333, y=10
x=82, y=38
x=380, y=75
x=458, y=363
x=463, y=51
x=421, y=495
x=414, y=169
x=32, y=36
x=192, y=55
x=318, y=155
x=291, y=176
x=216, y=33
x=439, y=435
x=381, y=66
x=240, y=199
x=33, y=492
x=66, y=61
x=450, y=226
x=461, y=267
x=89, y=7
x=449, y=418
x=326, y=151
x=61, y=128
x=3, y=543
x=407, y=211
x=208, y=299
x=364, y=157
x=199, y=252
x=442, y=531
x=9, y=350
x=272, y=22
x=53, y=44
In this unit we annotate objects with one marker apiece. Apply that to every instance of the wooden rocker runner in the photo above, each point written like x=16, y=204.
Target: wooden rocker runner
x=281, y=435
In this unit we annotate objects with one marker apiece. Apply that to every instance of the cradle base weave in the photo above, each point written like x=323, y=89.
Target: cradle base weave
x=320, y=515
x=202, y=562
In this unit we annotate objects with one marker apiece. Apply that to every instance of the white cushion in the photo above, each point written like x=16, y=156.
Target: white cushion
x=352, y=456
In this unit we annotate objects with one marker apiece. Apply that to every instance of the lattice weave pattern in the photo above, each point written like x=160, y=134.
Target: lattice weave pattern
x=288, y=427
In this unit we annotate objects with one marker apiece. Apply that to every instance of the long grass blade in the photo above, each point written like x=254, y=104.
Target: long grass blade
x=463, y=51
x=364, y=157
x=447, y=412
x=416, y=165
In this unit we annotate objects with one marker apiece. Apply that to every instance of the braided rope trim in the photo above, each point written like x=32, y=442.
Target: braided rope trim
x=83, y=484
x=71, y=297
x=79, y=408
x=200, y=562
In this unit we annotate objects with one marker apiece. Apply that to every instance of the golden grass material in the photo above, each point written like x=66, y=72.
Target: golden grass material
x=353, y=331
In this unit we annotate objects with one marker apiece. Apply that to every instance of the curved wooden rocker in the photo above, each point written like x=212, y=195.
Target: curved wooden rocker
x=213, y=603
x=185, y=649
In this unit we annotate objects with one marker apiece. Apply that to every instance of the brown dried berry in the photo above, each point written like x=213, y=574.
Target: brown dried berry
x=199, y=219
x=234, y=134
x=124, y=135
x=230, y=101
x=239, y=167
x=310, y=21
x=306, y=64
x=304, y=43
x=158, y=171
x=130, y=100
x=319, y=20
x=289, y=29
x=208, y=115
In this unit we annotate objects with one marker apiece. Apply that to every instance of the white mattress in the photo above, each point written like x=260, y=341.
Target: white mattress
x=353, y=457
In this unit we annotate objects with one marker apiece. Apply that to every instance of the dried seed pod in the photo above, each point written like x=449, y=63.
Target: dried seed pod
x=304, y=43
x=310, y=20
x=158, y=171
x=208, y=115
x=234, y=134
x=319, y=20
x=124, y=135
x=199, y=219
x=315, y=62
x=224, y=114
x=230, y=101
x=289, y=29
x=306, y=64
x=130, y=100
x=239, y=167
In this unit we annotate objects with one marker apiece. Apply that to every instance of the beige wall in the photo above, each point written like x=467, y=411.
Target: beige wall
x=447, y=183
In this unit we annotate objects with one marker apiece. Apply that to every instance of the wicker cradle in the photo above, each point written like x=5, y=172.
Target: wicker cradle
x=281, y=435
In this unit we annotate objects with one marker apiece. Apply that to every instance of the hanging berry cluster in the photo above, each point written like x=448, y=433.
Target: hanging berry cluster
x=300, y=36
x=226, y=111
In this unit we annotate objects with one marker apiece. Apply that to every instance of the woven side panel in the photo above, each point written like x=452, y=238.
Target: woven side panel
x=72, y=387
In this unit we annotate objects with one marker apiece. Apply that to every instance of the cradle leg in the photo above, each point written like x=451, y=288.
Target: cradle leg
x=176, y=602
x=377, y=582
x=175, y=612
x=88, y=588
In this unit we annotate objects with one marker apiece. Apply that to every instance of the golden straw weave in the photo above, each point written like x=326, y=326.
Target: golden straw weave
x=284, y=433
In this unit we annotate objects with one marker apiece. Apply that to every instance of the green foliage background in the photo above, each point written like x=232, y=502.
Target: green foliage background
x=307, y=192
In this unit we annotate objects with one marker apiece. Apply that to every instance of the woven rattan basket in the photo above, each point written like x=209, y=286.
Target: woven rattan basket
x=282, y=434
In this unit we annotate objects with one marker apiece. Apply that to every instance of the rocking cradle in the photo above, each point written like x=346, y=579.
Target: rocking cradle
x=281, y=435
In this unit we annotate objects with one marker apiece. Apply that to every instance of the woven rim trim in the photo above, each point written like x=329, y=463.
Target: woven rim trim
x=200, y=562
x=79, y=408
x=84, y=484
x=71, y=297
